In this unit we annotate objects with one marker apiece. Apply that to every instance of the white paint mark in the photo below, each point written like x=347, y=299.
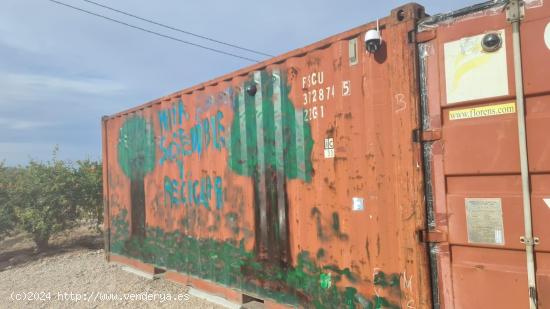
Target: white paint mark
x=547, y=201
x=400, y=103
x=547, y=35
x=407, y=288
x=358, y=204
x=407, y=282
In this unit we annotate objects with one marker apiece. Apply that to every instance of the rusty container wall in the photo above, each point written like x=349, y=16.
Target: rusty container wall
x=295, y=180
x=474, y=182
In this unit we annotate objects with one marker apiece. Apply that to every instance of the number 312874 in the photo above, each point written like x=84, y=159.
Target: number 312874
x=319, y=95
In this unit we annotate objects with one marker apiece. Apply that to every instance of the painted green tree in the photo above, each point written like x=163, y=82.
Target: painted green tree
x=270, y=142
x=136, y=157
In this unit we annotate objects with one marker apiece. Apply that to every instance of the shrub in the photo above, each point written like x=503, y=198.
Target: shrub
x=88, y=188
x=43, y=199
x=7, y=214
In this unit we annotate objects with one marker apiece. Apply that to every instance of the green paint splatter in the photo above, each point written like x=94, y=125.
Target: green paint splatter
x=325, y=281
x=230, y=264
x=232, y=222
x=383, y=280
x=316, y=213
x=136, y=157
x=336, y=227
x=136, y=147
x=271, y=143
x=296, y=134
x=342, y=272
x=321, y=253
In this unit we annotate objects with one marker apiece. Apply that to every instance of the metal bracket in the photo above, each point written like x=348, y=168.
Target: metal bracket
x=529, y=241
x=432, y=236
x=426, y=136
x=515, y=11
x=431, y=135
x=425, y=36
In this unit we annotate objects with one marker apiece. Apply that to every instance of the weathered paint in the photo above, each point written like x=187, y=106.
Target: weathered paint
x=476, y=162
x=237, y=188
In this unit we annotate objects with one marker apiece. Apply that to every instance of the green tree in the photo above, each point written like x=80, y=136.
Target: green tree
x=42, y=198
x=88, y=188
x=7, y=214
x=271, y=143
x=136, y=156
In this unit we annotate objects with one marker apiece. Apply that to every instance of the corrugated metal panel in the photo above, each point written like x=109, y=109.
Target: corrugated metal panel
x=474, y=168
x=296, y=179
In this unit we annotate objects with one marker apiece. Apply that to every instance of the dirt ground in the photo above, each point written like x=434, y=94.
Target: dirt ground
x=76, y=264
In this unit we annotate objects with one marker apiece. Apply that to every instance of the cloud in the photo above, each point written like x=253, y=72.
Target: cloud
x=24, y=84
x=15, y=124
x=15, y=153
x=64, y=69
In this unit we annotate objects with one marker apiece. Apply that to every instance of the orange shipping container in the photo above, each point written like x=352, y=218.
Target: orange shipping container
x=470, y=105
x=354, y=172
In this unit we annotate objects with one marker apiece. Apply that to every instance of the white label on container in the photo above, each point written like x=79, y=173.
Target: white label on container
x=346, y=88
x=484, y=221
x=329, y=148
x=547, y=35
x=358, y=204
x=547, y=201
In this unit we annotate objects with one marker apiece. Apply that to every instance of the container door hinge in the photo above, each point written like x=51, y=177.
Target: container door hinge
x=426, y=136
x=529, y=241
x=434, y=236
x=422, y=37
x=515, y=11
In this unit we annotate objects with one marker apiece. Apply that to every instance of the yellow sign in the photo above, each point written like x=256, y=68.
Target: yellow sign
x=483, y=111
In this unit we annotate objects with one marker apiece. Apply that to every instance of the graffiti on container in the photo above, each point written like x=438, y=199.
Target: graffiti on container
x=136, y=157
x=407, y=289
x=229, y=263
x=173, y=116
x=176, y=143
x=202, y=191
x=335, y=226
x=400, y=103
x=269, y=142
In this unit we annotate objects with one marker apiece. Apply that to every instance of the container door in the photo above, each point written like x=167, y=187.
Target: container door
x=470, y=138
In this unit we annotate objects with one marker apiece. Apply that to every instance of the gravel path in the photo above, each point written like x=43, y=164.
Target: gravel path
x=81, y=271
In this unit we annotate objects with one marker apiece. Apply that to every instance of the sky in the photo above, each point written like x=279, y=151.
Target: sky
x=61, y=69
